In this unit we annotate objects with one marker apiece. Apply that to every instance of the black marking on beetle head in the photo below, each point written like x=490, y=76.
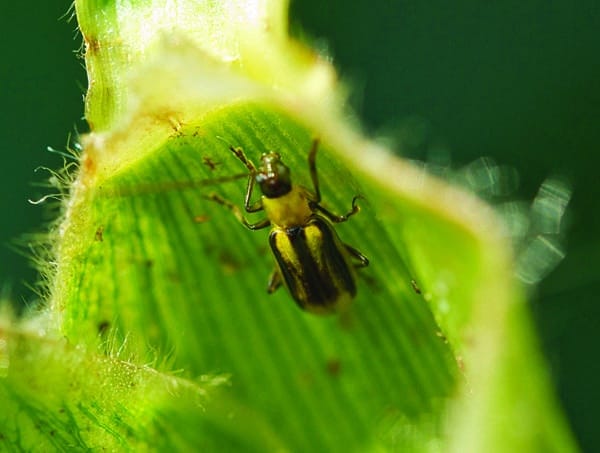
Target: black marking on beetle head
x=273, y=176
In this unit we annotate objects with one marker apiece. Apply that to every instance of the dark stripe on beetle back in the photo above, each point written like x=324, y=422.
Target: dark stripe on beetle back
x=336, y=261
x=323, y=285
x=319, y=286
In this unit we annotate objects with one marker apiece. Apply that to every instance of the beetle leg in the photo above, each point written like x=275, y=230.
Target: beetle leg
x=315, y=198
x=236, y=212
x=339, y=218
x=312, y=165
x=363, y=260
x=274, y=281
x=257, y=205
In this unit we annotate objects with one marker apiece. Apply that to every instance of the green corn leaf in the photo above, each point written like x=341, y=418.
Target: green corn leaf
x=159, y=334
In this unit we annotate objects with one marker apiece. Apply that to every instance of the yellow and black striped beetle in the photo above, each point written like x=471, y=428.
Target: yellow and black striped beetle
x=311, y=260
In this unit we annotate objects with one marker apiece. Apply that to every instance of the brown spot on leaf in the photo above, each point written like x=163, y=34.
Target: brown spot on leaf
x=89, y=165
x=99, y=236
x=206, y=160
x=92, y=45
x=229, y=263
x=103, y=327
x=334, y=367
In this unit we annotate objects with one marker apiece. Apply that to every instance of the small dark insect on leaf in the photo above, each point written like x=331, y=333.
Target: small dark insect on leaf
x=442, y=336
x=415, y=287
x=99, y=236
x=210, y=163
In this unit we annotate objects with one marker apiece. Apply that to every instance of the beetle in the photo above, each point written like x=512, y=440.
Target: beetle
x=311, y=261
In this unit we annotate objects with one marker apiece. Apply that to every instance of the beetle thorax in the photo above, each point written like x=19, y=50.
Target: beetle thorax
x=289, y=210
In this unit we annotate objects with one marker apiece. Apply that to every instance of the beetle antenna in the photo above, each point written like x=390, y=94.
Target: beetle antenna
x=239, y=153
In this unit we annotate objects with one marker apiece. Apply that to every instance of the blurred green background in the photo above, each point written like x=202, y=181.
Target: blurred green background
x=517, y=80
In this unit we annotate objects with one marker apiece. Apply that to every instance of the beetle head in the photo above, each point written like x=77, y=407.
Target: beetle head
x=273, y=176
